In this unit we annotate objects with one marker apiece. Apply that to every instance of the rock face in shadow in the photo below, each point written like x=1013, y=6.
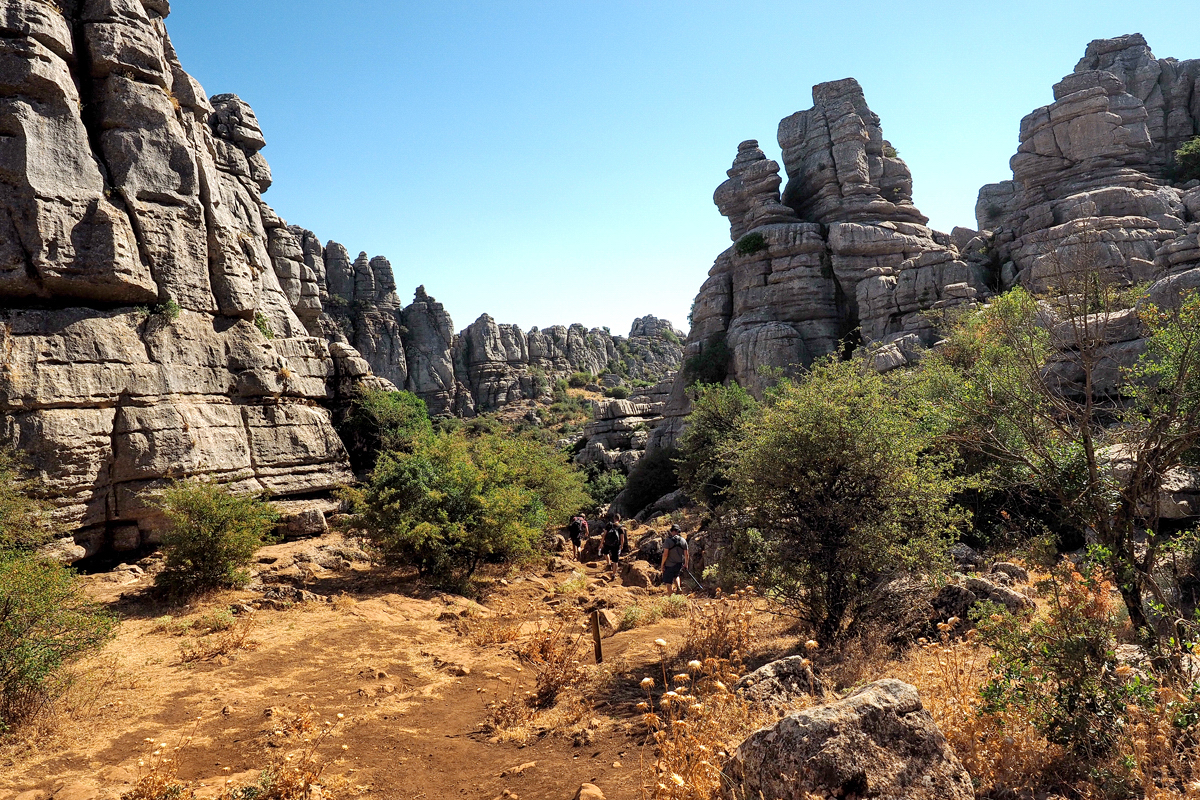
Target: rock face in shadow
x=1092, y=176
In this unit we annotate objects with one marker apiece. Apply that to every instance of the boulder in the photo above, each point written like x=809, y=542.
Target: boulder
x=1014, y=601
x=638, y=573
x=781, y=682
x=1013, y=571
x=589, y=791
x=879, y=742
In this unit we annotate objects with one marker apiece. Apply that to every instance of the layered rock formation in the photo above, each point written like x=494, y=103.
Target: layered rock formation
x=135, y=258
x=841, y=256
x=1091, y=178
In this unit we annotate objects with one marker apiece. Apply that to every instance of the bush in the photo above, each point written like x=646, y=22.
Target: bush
x=711, y=364
x=718, y=413
x=1187, y=161
x=381, y=421
x=1062, y=670
x=457, y=502
x=23, y=525
x=211, y=537
x=751, y=243
x=839, y=475
x=579, y=380
x=46, y=623
x=604, y=485
x=653, y=476
x=617, y=392
x=889, y=151
x=263, y=325
x=168, y=310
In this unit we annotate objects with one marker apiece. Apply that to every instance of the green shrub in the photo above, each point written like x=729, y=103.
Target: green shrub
x=1187, y=161
x=652, y=477
x=840, y=476
x=1061, y=669
x=617, y=392
x=751, y=243
x=380, y=421
x=23, y=524
x=46, y=623
x=457, y=502
x=672, y=337
x=711, y=364
x=263, y=324
x=211, y=538
x=604, y=485
x=579, y=380
x=541, y=385
x=889, y=151
x=168, y=310
x=712, y=429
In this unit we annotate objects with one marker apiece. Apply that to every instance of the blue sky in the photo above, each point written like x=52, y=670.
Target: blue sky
x=554, y=162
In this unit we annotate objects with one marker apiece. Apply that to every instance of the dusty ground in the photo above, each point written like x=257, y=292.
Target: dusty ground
x=408, y=670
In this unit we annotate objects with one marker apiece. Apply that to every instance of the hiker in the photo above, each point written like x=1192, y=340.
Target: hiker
x=675, y=559
x=614, y=542
x=577, y=529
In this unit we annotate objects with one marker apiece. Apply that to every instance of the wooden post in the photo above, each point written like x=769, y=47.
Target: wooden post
x=596, y=636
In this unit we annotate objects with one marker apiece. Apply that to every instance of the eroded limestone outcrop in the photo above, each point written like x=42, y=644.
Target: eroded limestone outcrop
x=136, y=254
x=841, y=256
x=1091, y=177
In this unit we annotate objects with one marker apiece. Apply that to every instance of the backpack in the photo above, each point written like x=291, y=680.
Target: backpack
x=612, y=536
x=676, y=544
x=577, y=526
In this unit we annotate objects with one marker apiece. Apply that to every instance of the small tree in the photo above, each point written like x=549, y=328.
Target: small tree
x=457, y=502
x=46, y=623
x=1187, y=161
x=1022, y=382
x=380, y=421
x=840, y=475
x=212, y=537
x=718, y=414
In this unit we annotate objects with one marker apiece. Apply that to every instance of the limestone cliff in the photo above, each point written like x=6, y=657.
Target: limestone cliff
x=136, y=257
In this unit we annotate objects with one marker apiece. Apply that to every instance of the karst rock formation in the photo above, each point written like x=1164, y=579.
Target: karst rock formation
x=161, y=321
x=843, y=256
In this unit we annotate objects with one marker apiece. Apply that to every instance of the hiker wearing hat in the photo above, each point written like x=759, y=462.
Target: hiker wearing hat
x=675, y=558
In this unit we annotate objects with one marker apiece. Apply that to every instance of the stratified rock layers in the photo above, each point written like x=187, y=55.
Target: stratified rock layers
x=842, y=255
x=1091, y=177
x=136, y=256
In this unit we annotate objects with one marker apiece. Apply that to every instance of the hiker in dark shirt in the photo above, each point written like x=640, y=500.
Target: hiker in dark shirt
x=615, y=541
x=577, y=530
x=675, y=559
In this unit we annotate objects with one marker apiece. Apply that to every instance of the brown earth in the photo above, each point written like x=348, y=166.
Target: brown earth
x=410, y=670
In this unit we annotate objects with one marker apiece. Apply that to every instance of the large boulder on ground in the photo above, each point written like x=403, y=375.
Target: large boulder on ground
x=638, y=573
x=879, y=742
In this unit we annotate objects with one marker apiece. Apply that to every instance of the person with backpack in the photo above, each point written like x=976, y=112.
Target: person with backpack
x=614, y=542
x=675, y=559
x=577, y=530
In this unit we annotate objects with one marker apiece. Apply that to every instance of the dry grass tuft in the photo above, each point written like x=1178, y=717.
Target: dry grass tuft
x=294, y=776
x=214, y=646
x=722, y=628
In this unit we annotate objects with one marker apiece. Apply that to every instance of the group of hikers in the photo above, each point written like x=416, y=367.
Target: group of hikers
x=614, y=542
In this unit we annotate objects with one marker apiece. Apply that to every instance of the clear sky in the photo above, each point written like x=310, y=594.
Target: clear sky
x=554, y=162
